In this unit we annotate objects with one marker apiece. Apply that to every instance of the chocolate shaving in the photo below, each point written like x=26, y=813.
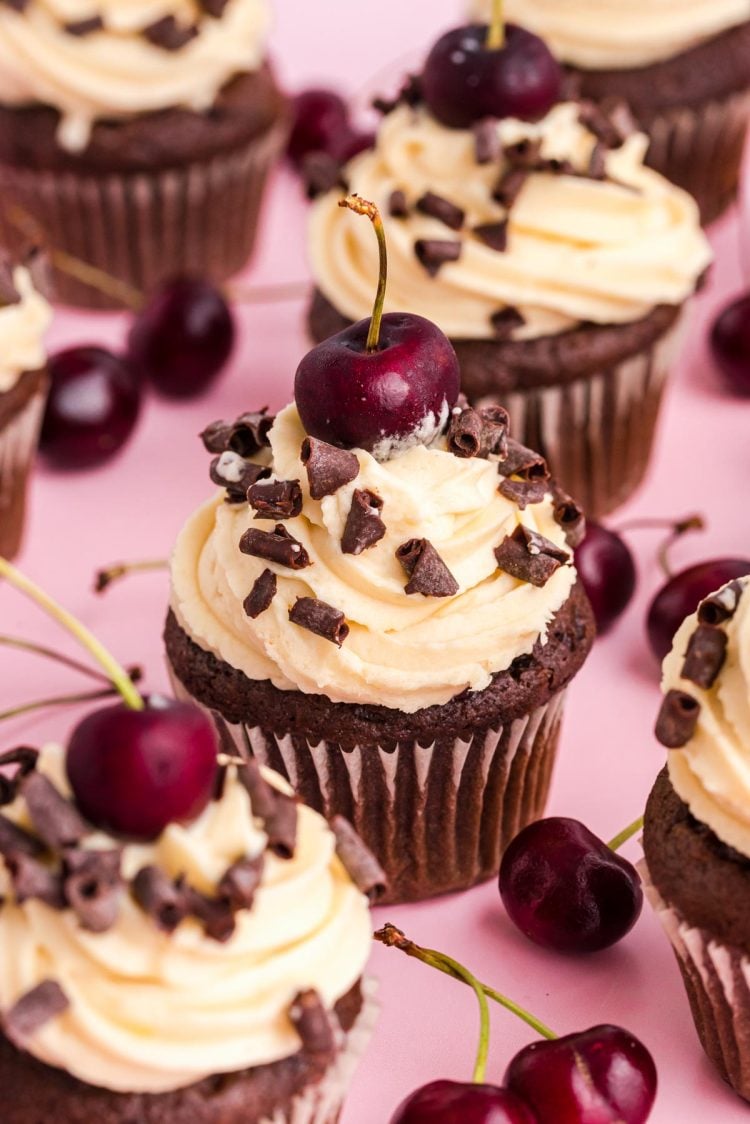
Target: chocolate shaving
x=213, y=8
x=319, y=617
x=529, y=556
x=705, y=656
x=487, y=147
x=240, y=881
x=56, y=820
x=433, y=253
x=261, y=595
x=721, y=606
x=411, y=90
x=437, y=207
x=249, y=432
x=262, y=794
x=168, y=34
x=275, y=499
x=526, y=154
x=275, y=546
x=165, y=901
x=494, y=235
x=215, y=437
x=428, y=574
x=33, y=1011
x=465, y=433
x=364, y=523
x=312, y=1023
x=9, y=294
x=677, y=719
x=321, y=173
x=610, y=122
x=597, y=169
x=215, y=914
x=509, y=186
x=15, y=764
x=37, y=261
x=328, y=468
x=363, y=868
x=523, y=462
x=276, y=809
x=398, y=208
x=495, y=426
x=523, y=492
x=237, y=475
x=32, y=879
x=81, y=28
x=15, y=841
x=568, y=515
x=505, y=321
x=92, y=886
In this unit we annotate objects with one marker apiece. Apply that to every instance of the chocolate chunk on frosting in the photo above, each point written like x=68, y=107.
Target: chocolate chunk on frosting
x=55, y=819
x=164, y=899
x=611, y=122
x=312, y=1023
x=677, y=719
x=363, y=868
x=328, y=467
x=33, y=879
x=169, y=34
x=262, y=794
x=275, y=546
x=246, y=435
x=16, y=5
x=465, y=432
x=33, y=1011
x=505, y=321
x=523, y=462
x=434, y=253
x=509, y=186
x=213, y=8
x=441, y=209
x=9, y=294
x=529, y=556
x=705, y=656
x=276, y=809
x=720, y=606
x=493, y=234
x=92, y=886
x=231, y=471
x=523, y=492
x=275, y=499
x=487, y=147
x=14, y=840
x=15, y=764
x=215, y=914
x=398, y=208
x=568, y=515
x=261, y=595
x=240, y=882
x=319, y=617
x=81, y=28
x=495, y=426
x=427, y=572
x=364, y=523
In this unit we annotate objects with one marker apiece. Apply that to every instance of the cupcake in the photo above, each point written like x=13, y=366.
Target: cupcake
x=24, y=317
x=556, y=262
x=137, y=137
x=684, y=69
x=697, y=826
x=214, y=973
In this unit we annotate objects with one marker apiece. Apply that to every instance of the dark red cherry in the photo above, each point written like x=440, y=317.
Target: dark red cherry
x=464, y=80
x=607, y=571
x=730, y=344
x=182, y=337
x=566, y=889
x=133, y=772
x=681, y=595
x=320, y=122
x=452, y=1102
x=350, y=144
x=599, y=1076
x=92, y=407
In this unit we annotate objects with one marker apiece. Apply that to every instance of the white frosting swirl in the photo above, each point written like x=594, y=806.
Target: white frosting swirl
x=150, y=1012
x=403, y=651
x=711, y=774
x=116, y=72
x=609, y=34
x=22, y=328
x=579, y=249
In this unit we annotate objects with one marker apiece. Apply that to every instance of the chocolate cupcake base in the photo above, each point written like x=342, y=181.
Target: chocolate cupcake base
x=21, y=411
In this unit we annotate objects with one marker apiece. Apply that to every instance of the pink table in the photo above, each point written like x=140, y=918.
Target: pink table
x=134, y=507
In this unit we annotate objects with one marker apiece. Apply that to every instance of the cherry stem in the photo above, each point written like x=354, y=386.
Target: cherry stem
x=496, y=30
x=392, y=937
x=115, y=672
x=104, y=578
x=363, y=207
x=58, y=700
x=627, y=833
x=676, y=529
x=48, y=653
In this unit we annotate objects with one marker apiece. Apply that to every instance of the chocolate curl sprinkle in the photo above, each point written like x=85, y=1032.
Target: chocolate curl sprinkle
x=165, y=901
x=328, y=468
x=56, y=821
x=213, y=8
x=261, y=595
x=81, y=28
x=33, y=1010
x=92, y=885
x=569, y=516
x=262, y=794
x=509, y=186
x=704, y=659
x=363, y=868
x=428, y=574
x=312, y=1023
x=240, y=881
x=434, y=253
x=246, y=435
x=523, y=492
x=529, y=557
x=32, y=879
x=276, y=809
x=505, y=321
x=465, y=433
x=275, y=499
x=275, y=546
x=15, y=764
x=215, y=914
x=168, y=34
x=677, y=719
x=441, y=209
x=522, y=462
x=15, y=841
x=364, y=523
x=495, y=426
x=398, y=208
x=9, y=294
x=487, y=146
x=611, y=122
x=494, y=235
x=721, y=606
x=319, y=617
x=231, y=471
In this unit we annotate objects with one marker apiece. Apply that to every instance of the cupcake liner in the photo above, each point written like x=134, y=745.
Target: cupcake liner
x=144, y=227
x=700, y=148
x=596, y=432
x=439, y=815
x=19, y=436
x=717, y=981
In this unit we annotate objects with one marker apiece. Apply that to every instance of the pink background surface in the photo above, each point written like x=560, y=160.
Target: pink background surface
x=609, y=758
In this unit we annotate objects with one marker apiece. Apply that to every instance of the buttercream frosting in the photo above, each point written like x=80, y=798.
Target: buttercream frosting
x=609, y=34
x=579, y=249
x=151, y=1011
x=22, y=328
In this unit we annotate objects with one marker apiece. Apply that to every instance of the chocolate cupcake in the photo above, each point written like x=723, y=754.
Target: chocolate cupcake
x=555, y=261
x=214, y=973
x=697, y=826
x=24, y=317
x=683, y=69
x=137, y=139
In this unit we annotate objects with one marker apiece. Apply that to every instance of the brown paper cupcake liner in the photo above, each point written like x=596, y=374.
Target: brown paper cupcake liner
x=700, y=148
x=596, y=432
x=19, y=436
x=717, y=981
x=142, y=228
x=438, y=816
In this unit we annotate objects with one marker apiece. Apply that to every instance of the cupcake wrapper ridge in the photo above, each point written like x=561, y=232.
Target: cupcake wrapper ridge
x=19, y=437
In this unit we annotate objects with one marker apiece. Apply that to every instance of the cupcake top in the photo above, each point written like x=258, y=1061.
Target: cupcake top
x=705, y=717
x=610, y=34
x=400, y=583
x=146, y=967
x=97, y=59
x=512, y=229
x=24, y=318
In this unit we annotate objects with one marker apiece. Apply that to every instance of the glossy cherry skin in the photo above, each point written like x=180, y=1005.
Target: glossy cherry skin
x=92, y=407
x=380, y=400
x=133, y=772
x=566, y=889
x=452, y=1102
x=681, y=595
x=463, y=81
x=599, y=1076
x=182, y=337
x=607, y=571
x=320, y=123
x=730, y=344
